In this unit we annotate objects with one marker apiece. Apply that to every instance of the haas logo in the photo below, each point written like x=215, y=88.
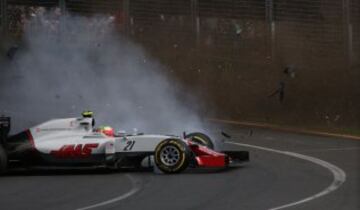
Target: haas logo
x=74, y=151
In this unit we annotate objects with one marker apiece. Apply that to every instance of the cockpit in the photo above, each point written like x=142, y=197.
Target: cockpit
x=88, y=117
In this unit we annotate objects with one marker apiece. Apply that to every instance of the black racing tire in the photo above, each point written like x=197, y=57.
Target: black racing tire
x=172, y=156
x=3, y=160
x=201, y=139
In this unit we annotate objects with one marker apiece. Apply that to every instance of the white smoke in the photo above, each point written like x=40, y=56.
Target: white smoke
x=68, y=64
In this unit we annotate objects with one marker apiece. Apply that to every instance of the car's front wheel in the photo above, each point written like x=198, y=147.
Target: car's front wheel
x=3, y=160
x=172, y=156
x=201, y=139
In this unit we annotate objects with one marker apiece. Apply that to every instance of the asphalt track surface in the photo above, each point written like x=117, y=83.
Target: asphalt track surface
x=271, y=179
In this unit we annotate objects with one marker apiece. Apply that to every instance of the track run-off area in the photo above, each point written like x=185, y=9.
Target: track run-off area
x=286, y=171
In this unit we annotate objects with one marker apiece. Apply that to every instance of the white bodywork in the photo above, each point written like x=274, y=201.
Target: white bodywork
x=54, y=134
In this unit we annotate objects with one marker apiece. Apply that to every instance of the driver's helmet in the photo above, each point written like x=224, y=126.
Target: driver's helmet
x=107, y=130
x=87, y=114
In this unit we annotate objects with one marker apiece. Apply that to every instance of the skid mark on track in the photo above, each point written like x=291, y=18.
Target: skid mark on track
x=135, y=188
x=339, y=176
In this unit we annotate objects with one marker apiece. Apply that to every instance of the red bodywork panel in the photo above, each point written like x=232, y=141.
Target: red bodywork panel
x=74, y=151
x=206, y=157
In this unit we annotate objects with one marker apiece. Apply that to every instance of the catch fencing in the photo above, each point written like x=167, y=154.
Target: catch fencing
x=236, y=51
x=239, y=52
x=294, y=30
x=355, y=29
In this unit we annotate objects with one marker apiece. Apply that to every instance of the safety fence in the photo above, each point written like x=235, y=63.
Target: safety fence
x=241, y=47
x=300, y=29
x=94, y=6
x=311, y=29
x=2, y=14
x=355, y=29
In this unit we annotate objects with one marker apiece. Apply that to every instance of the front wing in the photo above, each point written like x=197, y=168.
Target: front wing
x=209, y=158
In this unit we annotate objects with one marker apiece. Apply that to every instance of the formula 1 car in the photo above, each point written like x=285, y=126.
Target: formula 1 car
x=74, y=142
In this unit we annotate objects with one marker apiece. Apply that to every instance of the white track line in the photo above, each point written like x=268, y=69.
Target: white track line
x=135, y=188
x=338, y=174
x=331, y=149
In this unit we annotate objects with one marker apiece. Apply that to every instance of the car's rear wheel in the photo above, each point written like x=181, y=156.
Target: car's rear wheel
x=3, y=160
x=172, y=156
x=201, y=139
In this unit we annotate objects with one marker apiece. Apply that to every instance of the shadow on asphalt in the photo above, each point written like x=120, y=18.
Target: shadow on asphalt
x=213, y=171
x=103, y=171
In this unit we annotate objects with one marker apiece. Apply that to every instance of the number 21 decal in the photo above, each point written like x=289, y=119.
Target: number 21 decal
x=129, y=145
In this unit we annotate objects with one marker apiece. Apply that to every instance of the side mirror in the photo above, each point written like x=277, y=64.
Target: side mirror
x=135, y=131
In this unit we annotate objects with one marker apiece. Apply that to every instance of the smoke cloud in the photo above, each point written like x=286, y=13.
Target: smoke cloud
x=67, y=64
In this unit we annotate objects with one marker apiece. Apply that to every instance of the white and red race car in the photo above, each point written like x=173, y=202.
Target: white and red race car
x=74, y=142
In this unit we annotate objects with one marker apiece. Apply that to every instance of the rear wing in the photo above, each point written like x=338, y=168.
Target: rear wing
x=5, y=125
